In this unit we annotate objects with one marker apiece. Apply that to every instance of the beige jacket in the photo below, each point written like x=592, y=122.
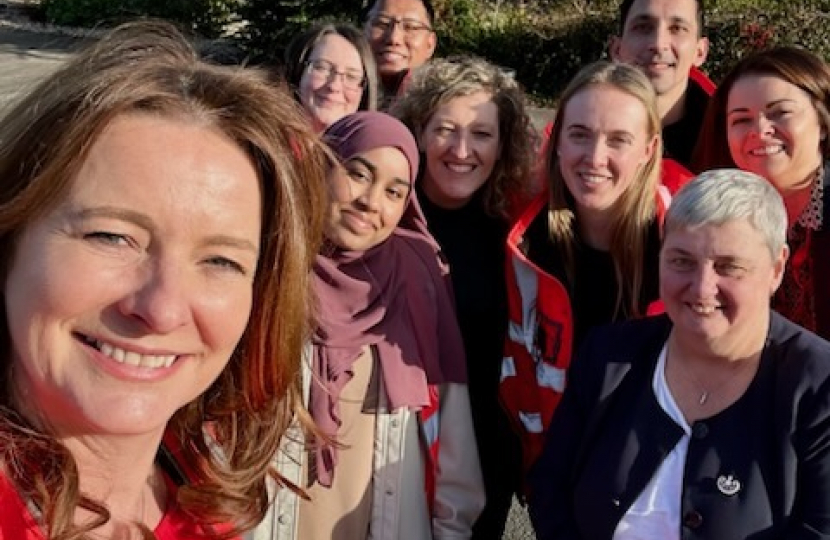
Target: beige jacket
x=394, y=504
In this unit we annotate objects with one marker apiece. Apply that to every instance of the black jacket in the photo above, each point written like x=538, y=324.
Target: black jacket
x=609, y=436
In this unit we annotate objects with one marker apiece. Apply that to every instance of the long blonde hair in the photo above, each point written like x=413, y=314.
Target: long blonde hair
x=635, y=210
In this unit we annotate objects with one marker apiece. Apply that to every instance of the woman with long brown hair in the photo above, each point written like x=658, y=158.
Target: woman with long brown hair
x=157, y=233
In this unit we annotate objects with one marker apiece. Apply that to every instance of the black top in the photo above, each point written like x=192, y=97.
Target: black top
x=758, y=470
x=474, y=244
x=679, y=138
x=593, y=293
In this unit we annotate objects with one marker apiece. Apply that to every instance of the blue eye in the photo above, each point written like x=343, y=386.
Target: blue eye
x=226, y=264
x=108, y=238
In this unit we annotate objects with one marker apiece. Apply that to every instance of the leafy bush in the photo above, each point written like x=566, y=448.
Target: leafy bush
x=207, y=17
x=545, y=42
x=272, y=23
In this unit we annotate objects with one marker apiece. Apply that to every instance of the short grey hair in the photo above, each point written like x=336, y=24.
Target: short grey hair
x=722, y=195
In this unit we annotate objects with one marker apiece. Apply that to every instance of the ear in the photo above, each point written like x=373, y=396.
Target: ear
x=779, y=266
x=432, y=42
x=701, y=51
x=614, y=45
x=650, y=149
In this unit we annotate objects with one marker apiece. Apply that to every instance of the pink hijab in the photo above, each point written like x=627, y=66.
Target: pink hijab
x=395, y=297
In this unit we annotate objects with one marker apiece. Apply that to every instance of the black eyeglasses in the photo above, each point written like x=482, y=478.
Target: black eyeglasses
x=323, y=70
x=382, y=24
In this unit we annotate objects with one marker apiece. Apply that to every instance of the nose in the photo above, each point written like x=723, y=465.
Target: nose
x=597, y=153
x=660, y=38
x=705, y=282
x=335, y=80
x=461, y=146
x=369, y=198
x=159, y=300
x=396, y=33
x=763, y=125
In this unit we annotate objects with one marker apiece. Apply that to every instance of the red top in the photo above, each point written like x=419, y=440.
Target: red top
x=17, y=522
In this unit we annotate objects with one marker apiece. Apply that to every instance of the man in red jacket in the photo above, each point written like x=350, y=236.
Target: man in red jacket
x=665, y=39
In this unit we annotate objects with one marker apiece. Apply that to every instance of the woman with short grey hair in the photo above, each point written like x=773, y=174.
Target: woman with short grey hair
x=710, y=421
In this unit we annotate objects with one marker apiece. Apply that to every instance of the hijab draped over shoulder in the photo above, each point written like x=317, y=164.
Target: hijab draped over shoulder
x=394, y=297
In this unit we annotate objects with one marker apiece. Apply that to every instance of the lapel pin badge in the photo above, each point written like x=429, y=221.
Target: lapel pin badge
x=728, y=485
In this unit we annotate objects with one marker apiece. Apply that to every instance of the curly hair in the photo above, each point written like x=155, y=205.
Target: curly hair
x=442, y=80
x=634, y=211
x=148, y=67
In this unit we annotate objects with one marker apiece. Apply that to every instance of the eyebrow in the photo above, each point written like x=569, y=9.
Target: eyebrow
x=649, y=17
x=408, y=17
x=358, y=71
x=374, y=170
x=582, y=127
x=143, y=221
x=767, y=106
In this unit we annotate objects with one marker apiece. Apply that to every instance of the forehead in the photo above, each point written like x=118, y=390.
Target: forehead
x=736, y=238
x=605, y=107
x=667, y=10
x=758, y=88
x=389, y=161
x=477, y=107
x=337, y=50
x=411, y=9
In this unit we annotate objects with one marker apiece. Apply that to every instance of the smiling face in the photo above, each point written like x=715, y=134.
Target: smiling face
x=329, y=97
x=402, y=45
x=126, y=300
x=461, y=142
x=370, y=193
x=716, y=282
x=774, y=131
x=663, y=39
x=603, y=142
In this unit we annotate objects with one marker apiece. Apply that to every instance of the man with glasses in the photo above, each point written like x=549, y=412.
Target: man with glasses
x=402, y=38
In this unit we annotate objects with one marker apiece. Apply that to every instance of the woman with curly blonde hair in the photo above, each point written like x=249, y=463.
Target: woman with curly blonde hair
x=157, y=234
x=477, y=148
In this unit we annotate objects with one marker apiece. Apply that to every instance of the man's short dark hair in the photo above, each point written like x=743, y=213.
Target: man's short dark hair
x=430, y=9
x=625, y=8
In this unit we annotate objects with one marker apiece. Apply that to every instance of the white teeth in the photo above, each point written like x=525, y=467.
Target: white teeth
x=133, y=358
x=593, y=178
x=703, y=310
x=766, y=150
x=460, y=167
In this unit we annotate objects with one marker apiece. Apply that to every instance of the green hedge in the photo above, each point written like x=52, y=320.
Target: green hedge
x=545, y=42
x=208, y=18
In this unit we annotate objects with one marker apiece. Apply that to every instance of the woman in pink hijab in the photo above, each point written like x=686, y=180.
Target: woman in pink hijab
x=395, y=457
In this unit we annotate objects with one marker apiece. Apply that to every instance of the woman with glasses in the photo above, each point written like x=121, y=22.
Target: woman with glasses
x=333, y=73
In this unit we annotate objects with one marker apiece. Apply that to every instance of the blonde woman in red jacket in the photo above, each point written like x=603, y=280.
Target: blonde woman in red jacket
x=584, y=252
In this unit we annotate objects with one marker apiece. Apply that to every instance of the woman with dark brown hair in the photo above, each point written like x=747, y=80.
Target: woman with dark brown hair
x=770, y=116
x=157, y=233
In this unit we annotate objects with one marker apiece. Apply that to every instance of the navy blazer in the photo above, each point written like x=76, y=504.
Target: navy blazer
x=760, y=469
